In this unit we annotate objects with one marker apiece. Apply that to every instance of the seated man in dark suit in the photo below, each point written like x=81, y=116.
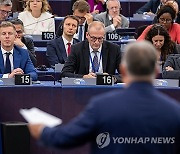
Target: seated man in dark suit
x=93, y=55
x=59, y=48
x=112, y=19
x=23, y=41
x=171, y=69
x=135, y=120
x=13, y=59
x=81, y=10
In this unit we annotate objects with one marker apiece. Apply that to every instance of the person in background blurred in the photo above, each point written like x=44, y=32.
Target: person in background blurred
x=23, y=41
x=161, y=40
x=36, y=19
x=5, y=9
x=97, y=6
x=166, y=16
x=152, y=7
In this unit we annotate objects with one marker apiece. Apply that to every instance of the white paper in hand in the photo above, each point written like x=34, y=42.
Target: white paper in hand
x=37, y=116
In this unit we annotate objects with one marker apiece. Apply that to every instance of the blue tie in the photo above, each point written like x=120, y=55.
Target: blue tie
x=80, y=32
x=95, y=62
x=8, y=64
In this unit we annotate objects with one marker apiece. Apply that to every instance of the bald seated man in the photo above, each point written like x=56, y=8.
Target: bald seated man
x=135, y=120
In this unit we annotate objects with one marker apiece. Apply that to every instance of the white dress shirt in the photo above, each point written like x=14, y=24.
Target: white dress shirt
x=65, y=44
x=99, y=59
x=83, y=30
x=10, y=58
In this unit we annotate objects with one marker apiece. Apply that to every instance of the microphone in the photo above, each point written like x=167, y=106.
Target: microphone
x=39, y=21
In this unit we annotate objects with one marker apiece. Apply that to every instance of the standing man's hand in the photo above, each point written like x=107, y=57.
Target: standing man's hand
x=36, y=130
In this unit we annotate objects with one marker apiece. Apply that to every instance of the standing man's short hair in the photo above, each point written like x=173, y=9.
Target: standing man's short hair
x=81, y=5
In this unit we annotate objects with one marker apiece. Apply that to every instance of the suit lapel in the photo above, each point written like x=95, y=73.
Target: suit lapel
x=62, y=48
x=1, y=62
x=16, y=58
x=86, y=55
x=104, y=56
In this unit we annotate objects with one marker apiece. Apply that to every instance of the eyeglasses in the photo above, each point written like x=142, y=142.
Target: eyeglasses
x=81, y=18
x=93, y=38
x=4, y=12
x=165, y=20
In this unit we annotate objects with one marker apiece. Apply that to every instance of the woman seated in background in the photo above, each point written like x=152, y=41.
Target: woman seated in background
x=161, y=40
x=174, y=4
x=165, y=17
x=171, y=69
x=36, y=19
x=97, y=6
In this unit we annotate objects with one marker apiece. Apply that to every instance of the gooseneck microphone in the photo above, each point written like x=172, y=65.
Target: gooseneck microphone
x=39, y=21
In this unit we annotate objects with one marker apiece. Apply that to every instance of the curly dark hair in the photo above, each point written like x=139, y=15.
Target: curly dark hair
x=166, y=9
x=168, y=47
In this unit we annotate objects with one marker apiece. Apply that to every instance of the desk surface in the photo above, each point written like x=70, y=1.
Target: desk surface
x=62, y=101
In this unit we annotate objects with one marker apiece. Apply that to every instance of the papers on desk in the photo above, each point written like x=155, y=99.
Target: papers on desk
x=37, y=116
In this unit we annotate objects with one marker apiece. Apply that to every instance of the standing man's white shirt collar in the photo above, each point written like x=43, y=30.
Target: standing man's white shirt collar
x=99, y=55
x=10, y=58
x=65, y=43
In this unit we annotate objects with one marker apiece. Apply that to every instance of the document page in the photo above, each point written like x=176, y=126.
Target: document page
x=37, y=116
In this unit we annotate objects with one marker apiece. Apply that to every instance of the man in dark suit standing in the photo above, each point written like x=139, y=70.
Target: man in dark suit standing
x=136, y=120
x=13, y=59
x=93, y=55
x=59, y=48
x=23, y=41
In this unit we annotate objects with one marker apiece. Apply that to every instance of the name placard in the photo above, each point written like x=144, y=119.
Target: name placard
x=22, y=79
x=104, y=80
x=47, y=35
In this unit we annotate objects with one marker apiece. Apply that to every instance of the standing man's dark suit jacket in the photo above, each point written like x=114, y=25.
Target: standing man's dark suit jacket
x=30, y=47
x=78, y=61
x=152, y=6
x=56, y=52
x=174, y=62
x=138, y=111
x=20, y=60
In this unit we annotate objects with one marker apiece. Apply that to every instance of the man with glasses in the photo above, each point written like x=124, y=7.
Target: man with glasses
x=5, y=9
x=112, y=18
x=24, y=42
x=81, y=10
x=93, y=55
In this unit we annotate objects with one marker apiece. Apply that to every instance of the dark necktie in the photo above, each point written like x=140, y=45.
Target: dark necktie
x=95, y=62
x=80, y=32
x=69, y=48
x=8, y=64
